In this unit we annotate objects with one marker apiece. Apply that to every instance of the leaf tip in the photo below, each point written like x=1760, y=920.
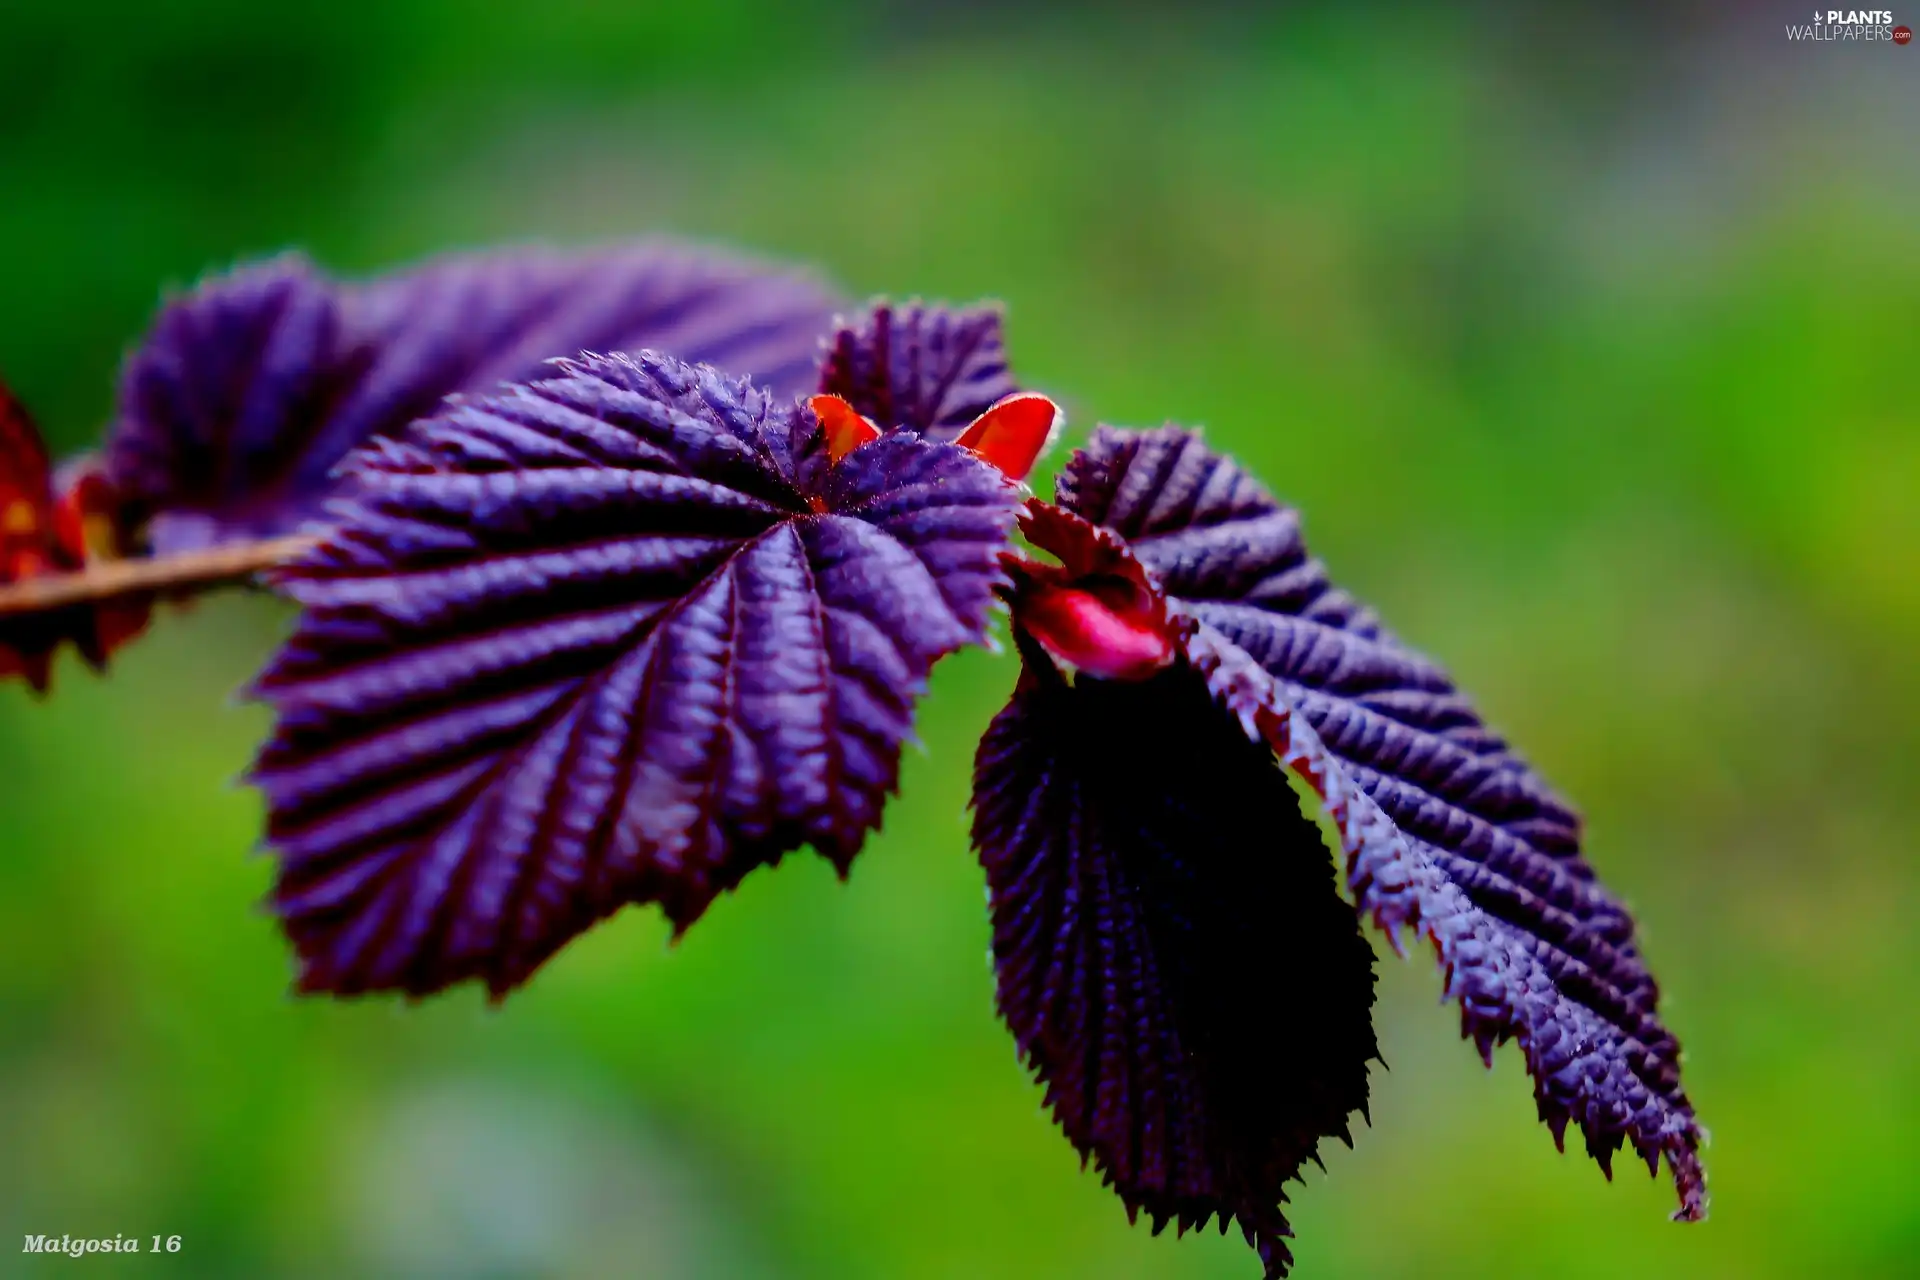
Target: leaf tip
x=844, y=426
x=1013, y=432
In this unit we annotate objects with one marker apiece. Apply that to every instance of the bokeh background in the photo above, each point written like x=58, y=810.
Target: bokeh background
x=1586, y=342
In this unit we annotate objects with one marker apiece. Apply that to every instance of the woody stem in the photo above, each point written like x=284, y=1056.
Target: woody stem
x=162, y=575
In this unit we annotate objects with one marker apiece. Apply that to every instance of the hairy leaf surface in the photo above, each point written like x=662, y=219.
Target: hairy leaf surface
x=247, y=393
x=618, y=636
x=1447, y=832
x=931, y=369
x=1172, y=956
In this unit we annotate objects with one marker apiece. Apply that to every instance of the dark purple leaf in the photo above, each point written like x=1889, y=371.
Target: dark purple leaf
x=1173, y=958
x=238, y=406
x=1446, y=831
x=929, y=368
x=619, y=636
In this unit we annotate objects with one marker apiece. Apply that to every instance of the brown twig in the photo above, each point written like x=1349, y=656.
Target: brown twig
x=158, y=576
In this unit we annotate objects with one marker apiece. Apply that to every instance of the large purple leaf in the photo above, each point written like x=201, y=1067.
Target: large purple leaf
x=929, y=368
x=1446, y=831
x=1172, y=956
x=239, y=404
x=618, y=636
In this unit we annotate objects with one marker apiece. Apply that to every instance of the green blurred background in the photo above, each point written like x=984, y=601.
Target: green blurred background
x=1585, y=342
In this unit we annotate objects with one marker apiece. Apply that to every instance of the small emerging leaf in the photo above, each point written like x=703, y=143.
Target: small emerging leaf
x=1095, y=611
x=27, y=545
x=618, y=636
x=26, y=494
x=1013, y=433
x=53, y=525
x=845, y=428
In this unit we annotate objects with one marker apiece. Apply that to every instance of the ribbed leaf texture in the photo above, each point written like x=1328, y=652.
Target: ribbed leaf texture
x=1446, y=831
x=247, y=393
x=618, y=636
x=1173, y=958
x=933, y=369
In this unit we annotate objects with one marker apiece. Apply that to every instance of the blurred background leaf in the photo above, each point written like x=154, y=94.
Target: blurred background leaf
x=1583, y=338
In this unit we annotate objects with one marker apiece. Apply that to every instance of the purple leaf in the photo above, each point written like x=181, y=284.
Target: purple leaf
x=238, y=406
x=618, y=636
x=928, y=368
x=1446, y=831
x=1172, y=956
